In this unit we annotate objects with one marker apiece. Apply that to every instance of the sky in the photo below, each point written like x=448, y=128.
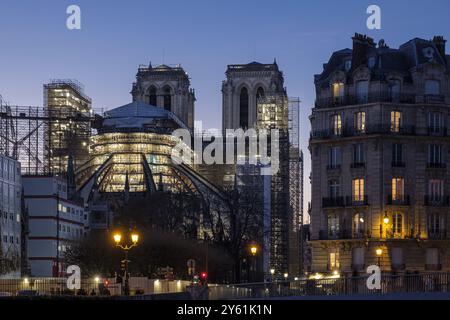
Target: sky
x=204, y=36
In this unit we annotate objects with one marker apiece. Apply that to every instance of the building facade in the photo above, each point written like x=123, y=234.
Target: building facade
x=168, y=88
x=10, y=217
x=55, y=224
x=68, y=127
x=380, y=158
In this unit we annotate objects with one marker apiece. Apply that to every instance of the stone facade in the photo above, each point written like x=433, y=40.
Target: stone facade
x=240, y=91
x=166, y=87
x=380, y=152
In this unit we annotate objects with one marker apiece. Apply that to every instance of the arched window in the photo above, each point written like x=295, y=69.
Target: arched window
x=167, y=99
x=243, y=108
x=152, y=96
x=259, y=94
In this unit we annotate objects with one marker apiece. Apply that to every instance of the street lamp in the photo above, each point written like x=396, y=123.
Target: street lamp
x=386, y=219
x=126, y=247
x=286, y=275
x=379, y=253
x=254, y=251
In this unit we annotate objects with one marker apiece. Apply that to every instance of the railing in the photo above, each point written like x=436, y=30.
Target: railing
x=437, y=234
x=436, y=201
x=341, y=234
x=345, y=201
x=397, y=164
x=398, y=201
x=358, y=165
x=390, y=284
x=434, y=99
x=369, y=129
x=333, y=202
x=333, y=167
x=373, y=97
x=436, y=165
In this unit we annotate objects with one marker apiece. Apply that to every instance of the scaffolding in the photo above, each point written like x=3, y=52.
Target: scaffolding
x=28, y=134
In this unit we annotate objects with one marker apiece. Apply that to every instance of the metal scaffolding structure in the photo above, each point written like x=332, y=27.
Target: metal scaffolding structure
x=41, y=137
x=295, y=187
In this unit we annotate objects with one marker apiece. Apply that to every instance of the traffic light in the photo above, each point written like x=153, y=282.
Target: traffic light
x=203, y=277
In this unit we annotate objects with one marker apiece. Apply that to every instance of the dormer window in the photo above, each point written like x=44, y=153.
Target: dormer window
x=348, y=65
x=371, y=62
x=432, y=87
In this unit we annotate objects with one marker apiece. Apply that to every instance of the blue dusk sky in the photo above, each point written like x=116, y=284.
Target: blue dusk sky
x=204, y=36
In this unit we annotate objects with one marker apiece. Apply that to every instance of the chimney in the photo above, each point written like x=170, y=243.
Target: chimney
x=361, y=46
x=439, y=42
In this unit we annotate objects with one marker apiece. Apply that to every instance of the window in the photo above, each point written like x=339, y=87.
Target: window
x=334, y=187
x=167, y=99
x=360, y=122
x=334, y=262
x=259, y=94
x=434, y=154
x=348, y=65
x=432, y=257
x=358, y=225
x=432, y=87
x=434, y=122
x=397, y=258
x=371, y=62
x=333, y=225
x=338, y=92
x=358, y=190
x=362, y=91
x=396, y=121
x=397, y=224
x=398, y=189
x=397, y=154
x=434, y=225
x=394, y=90
x=336, y=124
x=358, y=258
x=435, y=189
x=358, y=153
x=243, y=108
x=334, y=157
x=152, y=96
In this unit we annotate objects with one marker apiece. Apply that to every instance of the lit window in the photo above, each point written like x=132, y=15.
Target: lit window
x=358, y=224
x=398, y=189
x=334, y=262
x=338, y=91
x=336, y=124
x=397, y=224
x=358, y=190
x=360, y=122
x=396, y=118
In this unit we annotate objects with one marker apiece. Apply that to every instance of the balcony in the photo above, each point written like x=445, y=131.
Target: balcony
x=437, y=234
x=434, y=99
x=437, y=131
x=357, y=202
x=398, y=164
x=436, y=201
x=373, y=97
x=344, y=234
x=333, y=202
x=398, y=201
x=334, y=167
x=436, y=165
x=369, y=129
x=358, y=165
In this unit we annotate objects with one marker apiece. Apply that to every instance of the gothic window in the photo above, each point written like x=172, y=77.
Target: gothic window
x=260, y=94
x=243, y=108
x=167, y=99
x=152, y=96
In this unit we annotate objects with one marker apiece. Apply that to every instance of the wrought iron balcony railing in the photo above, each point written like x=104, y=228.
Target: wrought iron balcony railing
x=333, y=202
x=358, y=165
x=373, y=97
x=398, y=200
x=436, y=201
x=345, y=131
x=341, y=234
x=436, y=165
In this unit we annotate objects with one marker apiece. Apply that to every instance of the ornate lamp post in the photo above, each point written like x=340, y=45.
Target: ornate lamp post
x=379, y=253
x=254, y=252
x=127, y=247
